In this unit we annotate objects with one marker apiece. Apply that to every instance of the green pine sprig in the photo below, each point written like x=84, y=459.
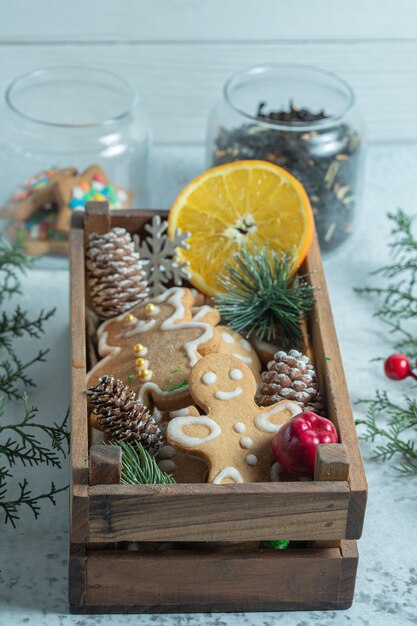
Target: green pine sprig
x=25, y=441
x=260, y=296
x=11, y=508
x=13, y=263
x=392, y=426
x=397, y=307
x=139, y=466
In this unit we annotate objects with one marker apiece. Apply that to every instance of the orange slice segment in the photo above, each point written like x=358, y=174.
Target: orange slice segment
x=245, y=202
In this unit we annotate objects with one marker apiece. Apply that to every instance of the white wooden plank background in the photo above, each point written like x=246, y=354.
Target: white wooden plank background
x=180, y=52
x=206, y=20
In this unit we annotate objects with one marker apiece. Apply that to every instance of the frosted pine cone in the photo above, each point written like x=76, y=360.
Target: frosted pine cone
x=121, y=416
x=115, y=276
x=291, y=376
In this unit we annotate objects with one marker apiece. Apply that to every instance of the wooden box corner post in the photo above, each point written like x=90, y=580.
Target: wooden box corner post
x=332, y=463
x=105, y=464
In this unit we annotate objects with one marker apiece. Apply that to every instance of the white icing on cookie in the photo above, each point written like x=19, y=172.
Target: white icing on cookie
x=145, y=389
x=262, y=420
x=228, y=472
x=245, y=345
x=251, y=459
x=244, y=359
x=246, y=442
x=227, y=395
x=179, y=413
x=236, y=374
x=227, y=338
x=200, y=313
x=239, y=427
x=275, y=470
x=209, y=378
x=142, y=352
x=155, y=311
x=141, y=326
x=175, y=430
x=172, y=323
x=167, y=465
x=157, y=415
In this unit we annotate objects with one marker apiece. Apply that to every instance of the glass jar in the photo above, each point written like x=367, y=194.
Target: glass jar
x=68, y=135
x=304, y=120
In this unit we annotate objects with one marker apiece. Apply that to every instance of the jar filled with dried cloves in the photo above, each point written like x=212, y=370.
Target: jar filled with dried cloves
x=304, y=120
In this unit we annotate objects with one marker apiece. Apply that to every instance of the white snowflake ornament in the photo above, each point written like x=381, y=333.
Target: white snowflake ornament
x=159, y=257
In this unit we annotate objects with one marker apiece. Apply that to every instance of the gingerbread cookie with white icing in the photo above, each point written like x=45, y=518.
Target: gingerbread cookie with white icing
x=235, y=436
x=232, y=342
x=154, y=347
x=184, y=467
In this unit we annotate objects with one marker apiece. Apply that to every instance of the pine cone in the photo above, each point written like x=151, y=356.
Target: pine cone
x=121, y=416
x=115, y=276
x=291, y=376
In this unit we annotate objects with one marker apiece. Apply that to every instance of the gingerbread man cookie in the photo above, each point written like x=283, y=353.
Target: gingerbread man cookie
x=232, y=342
x=154, y=347
x=235, y=435
x=184, y=467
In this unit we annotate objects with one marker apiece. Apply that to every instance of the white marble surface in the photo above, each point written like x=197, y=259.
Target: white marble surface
x=33, y=558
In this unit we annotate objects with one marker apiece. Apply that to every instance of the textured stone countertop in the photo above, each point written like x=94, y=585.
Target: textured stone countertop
x=33, y=558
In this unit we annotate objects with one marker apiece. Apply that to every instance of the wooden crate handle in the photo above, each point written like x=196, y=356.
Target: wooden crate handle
x=332, y=462
x=105, y=465
x=97, y=218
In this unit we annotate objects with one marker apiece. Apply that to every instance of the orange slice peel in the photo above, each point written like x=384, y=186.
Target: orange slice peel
x=244, y=203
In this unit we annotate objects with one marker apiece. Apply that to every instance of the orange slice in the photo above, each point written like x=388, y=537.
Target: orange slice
x=245, y=202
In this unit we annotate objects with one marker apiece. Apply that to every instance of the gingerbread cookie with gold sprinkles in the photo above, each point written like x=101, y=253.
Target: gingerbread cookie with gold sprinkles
x=235, y=435
x=154, y=347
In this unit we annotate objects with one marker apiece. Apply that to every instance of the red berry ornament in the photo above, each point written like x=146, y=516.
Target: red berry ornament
x=397, y=367
x=294, y=446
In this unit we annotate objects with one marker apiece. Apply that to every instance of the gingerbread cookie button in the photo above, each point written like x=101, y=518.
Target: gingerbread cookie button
x=234, y=436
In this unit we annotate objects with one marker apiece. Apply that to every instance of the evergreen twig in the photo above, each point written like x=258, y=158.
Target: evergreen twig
x=139, y=467
x=11, y=508
x=13, y=261
x=19, y=324
x=259, y=295
x=13, y=373
x=25, y=441
x=392, y=426
x=25, y=447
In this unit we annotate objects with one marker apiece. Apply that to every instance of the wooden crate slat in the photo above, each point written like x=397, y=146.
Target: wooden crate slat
x=210, y=512
x=79, y=430
x=331, y=375
x=200, y=581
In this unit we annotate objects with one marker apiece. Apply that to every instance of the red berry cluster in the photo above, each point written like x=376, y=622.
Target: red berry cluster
x=397, y=367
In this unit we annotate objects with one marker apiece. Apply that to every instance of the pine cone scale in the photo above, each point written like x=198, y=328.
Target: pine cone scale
x=291, y=376
x=116, y=279
x=121, y=416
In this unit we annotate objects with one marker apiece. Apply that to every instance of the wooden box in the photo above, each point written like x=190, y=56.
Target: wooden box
x=199, y=543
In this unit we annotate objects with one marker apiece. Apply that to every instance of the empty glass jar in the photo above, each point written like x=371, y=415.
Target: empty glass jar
x=304, y=120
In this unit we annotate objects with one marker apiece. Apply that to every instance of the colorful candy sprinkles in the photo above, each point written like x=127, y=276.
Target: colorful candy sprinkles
x=98, y=190
x=25, y=189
